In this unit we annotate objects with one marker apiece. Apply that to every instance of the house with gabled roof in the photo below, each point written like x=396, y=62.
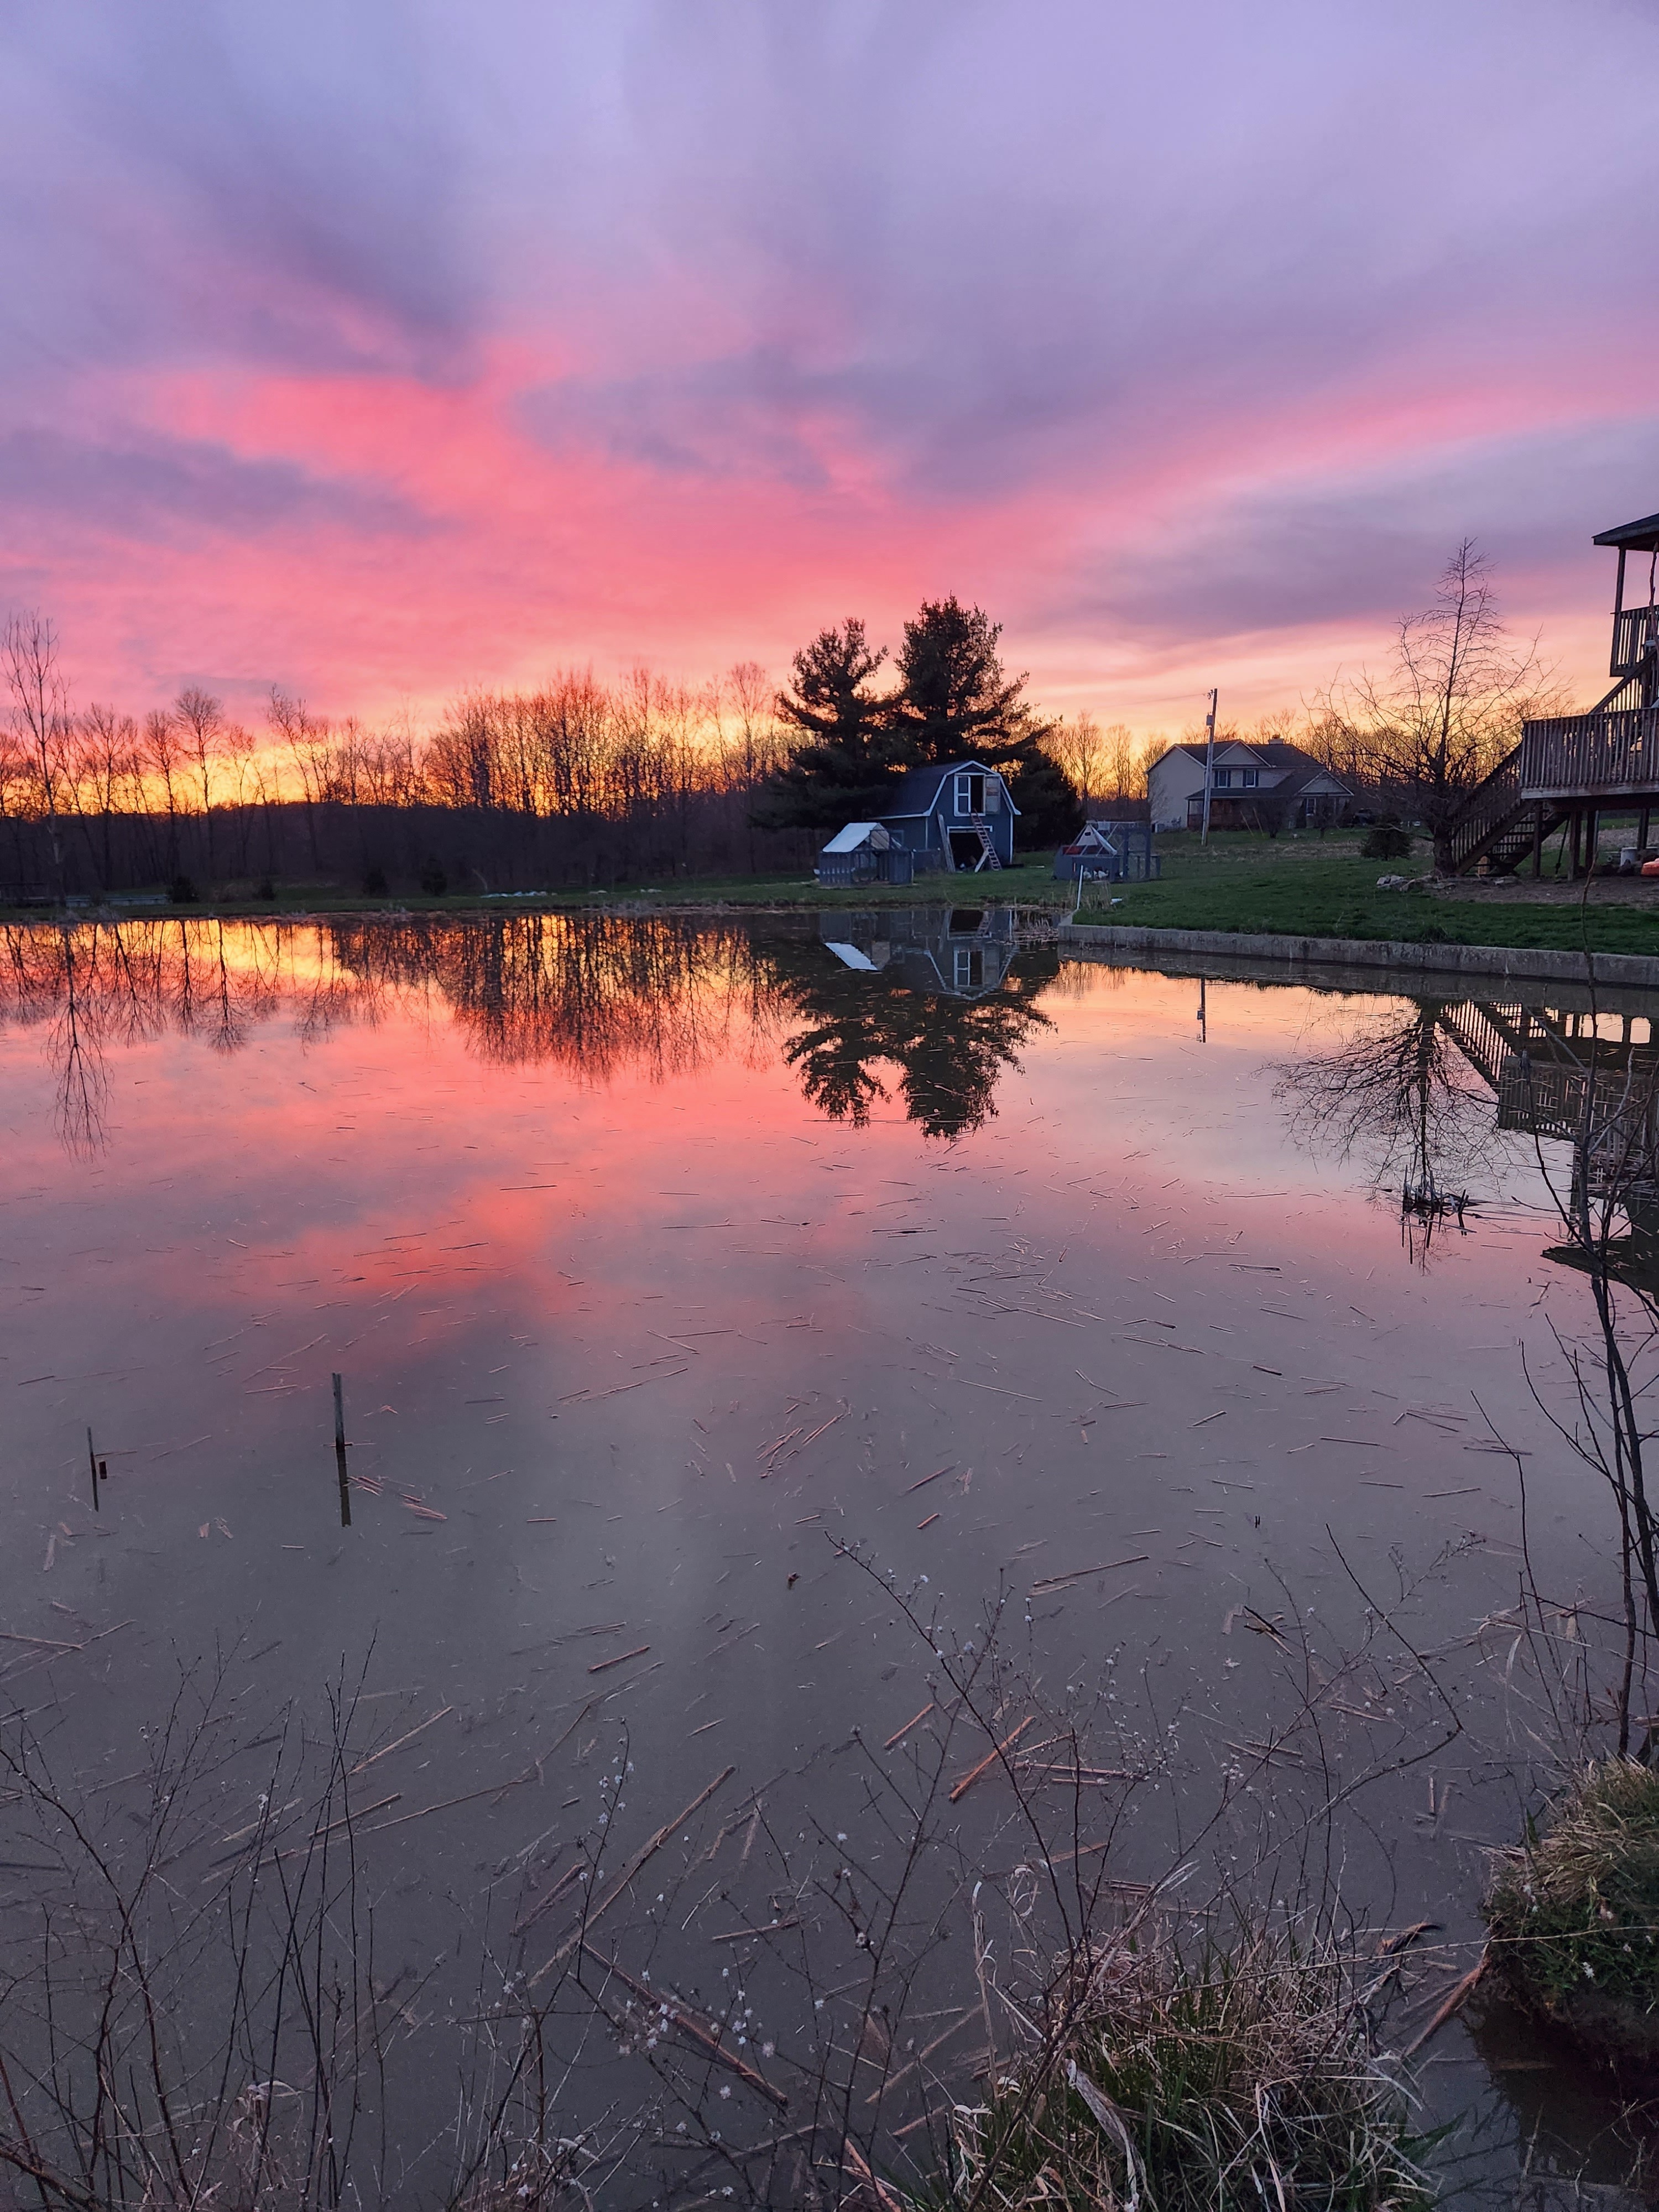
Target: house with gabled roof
x=1268, y=784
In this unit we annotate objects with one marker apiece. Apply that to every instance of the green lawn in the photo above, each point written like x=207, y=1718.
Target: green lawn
x=1313, y=888
x=1030, y=882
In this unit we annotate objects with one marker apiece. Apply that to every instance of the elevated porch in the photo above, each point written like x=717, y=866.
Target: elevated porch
x=1567, y=769
x=1571, y=768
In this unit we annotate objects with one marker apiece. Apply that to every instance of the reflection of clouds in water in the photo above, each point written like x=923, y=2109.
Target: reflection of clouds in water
x=595, y=995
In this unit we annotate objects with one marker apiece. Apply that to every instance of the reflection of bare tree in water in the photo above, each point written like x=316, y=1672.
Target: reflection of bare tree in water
x=77, y=1052
x=1425, y=1091
x=595, y=995
x=1588, y=1082
x=1400, y=1093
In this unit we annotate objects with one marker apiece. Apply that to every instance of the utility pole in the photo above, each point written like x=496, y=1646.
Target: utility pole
x=1209, y=765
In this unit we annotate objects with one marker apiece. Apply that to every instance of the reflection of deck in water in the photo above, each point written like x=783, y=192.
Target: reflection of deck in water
x=1583, y=1078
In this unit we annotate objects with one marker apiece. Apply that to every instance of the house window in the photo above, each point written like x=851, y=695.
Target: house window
x=1223, y=779
x=1248, y=778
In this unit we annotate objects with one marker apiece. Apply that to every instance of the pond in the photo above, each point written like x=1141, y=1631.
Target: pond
x=661, y=1260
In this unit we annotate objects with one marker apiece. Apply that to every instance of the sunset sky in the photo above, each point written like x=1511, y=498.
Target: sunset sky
x=383, y=347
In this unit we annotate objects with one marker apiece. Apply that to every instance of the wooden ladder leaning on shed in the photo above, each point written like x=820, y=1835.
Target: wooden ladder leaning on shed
x=987, y=849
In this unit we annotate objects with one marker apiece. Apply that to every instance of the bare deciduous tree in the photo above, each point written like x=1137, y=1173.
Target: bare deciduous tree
x=39, y=697
x=199, y=719
x=1105, y=764
x=1450, y=705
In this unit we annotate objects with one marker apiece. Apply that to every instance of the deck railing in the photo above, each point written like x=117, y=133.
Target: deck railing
x=1635, y=632
x=1589, y=755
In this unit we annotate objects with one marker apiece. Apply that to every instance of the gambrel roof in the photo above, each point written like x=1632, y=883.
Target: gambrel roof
x=917, y=793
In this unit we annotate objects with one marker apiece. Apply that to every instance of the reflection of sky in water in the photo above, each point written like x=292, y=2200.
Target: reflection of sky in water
x=641, y=1324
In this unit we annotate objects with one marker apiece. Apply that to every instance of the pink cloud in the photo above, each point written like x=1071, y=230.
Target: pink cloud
x=376, y=361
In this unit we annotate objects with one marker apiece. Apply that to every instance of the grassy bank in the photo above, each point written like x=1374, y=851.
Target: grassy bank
x=1210, y=2080
x=1573, y=1912
x=1311, y=888
x=1297, y=887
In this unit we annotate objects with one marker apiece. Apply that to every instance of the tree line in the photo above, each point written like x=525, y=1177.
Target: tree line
x=581, y=782
x=577, y=781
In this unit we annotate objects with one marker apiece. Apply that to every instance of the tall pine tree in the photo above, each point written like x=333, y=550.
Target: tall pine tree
x=956, y=702
x=846, y=760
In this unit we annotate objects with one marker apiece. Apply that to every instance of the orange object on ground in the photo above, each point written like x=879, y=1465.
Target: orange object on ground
x=1651, y=867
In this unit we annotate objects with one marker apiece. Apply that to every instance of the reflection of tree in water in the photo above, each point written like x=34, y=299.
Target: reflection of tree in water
x=1399, y=1091
x=1433, y=1094
x=948, y=1051
x=596, y=995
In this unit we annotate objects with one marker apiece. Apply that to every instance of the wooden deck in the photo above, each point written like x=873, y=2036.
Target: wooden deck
x=1601, y=756
x=1568, y=769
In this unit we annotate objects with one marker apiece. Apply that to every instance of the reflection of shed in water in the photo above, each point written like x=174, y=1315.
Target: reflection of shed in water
x=964, y=951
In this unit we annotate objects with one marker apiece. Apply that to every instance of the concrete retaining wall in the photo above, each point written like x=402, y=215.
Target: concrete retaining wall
x=1628, y=970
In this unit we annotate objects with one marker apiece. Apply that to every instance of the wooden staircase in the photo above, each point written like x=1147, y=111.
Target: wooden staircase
x=1497, y=829
x=1561, y=762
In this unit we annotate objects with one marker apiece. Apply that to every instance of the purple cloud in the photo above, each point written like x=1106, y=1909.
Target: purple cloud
x=172, y=488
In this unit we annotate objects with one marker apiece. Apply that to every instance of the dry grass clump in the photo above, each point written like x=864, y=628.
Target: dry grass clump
x=1574, y=1911
x=1246, y=2076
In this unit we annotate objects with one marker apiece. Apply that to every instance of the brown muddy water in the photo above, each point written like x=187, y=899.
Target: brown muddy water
x=662, y=1259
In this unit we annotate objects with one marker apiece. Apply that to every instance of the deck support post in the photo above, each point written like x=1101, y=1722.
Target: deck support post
x=1592, y=839
x=1538, y=839
x=1642, y=830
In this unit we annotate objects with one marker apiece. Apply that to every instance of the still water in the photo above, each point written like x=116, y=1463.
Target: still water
x=660, y=1257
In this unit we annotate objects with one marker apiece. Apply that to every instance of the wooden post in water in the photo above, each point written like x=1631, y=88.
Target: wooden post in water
x=97, y=1467
x=340, y=1453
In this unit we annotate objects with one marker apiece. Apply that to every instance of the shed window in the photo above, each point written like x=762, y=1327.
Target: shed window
x=970, y=794
x=970, y=967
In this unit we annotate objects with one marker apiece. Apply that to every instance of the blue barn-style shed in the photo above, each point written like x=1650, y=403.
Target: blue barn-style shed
x=958, y=815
